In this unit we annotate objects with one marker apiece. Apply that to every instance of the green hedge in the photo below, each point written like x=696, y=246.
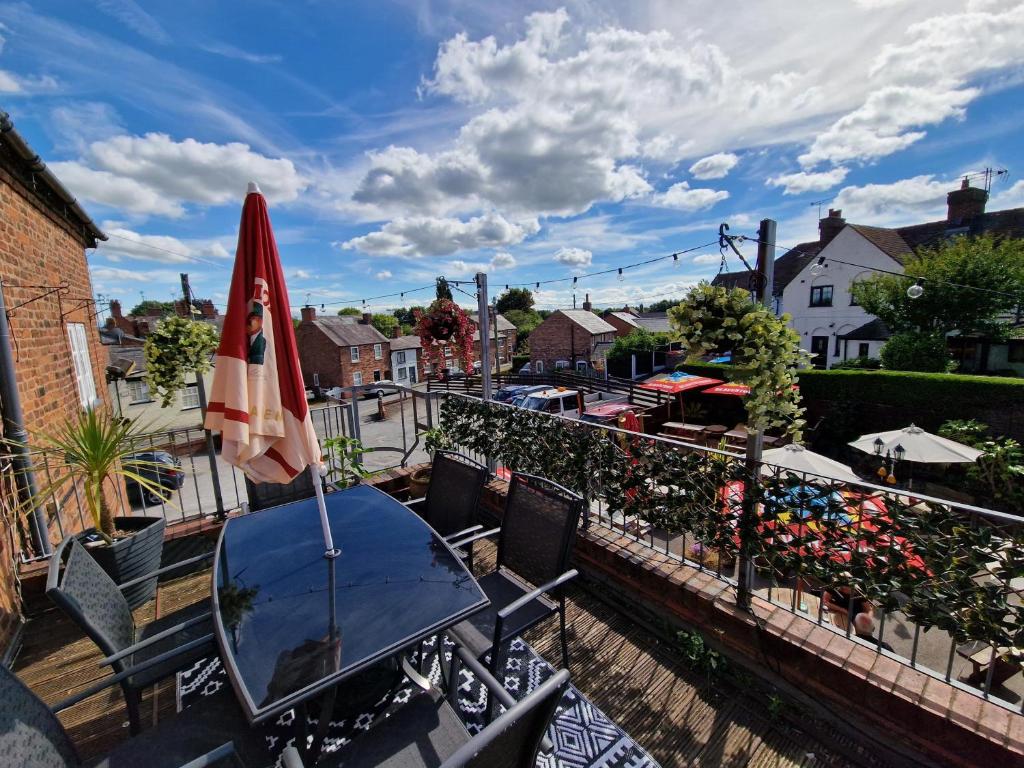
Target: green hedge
x=897, y=388
x=518, y=361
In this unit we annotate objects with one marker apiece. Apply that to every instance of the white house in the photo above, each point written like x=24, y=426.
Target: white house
x=130, y=395
x=405, y=359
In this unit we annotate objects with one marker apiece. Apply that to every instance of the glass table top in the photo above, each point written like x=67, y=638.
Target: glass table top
x=285, y=634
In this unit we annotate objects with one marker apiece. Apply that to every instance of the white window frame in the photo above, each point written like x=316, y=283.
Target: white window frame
x=357, y=378
x=138, y=391
x=400, y=357
x=189, y=397
x=82, y=364
x=581, y=365
x=378, y=351
x=354, y=354
x=403, y=373
x=538, y=366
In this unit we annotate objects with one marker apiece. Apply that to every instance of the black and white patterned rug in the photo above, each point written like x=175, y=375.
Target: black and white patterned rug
x=581, y=733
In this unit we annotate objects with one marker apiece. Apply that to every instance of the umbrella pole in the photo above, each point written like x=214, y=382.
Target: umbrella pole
x=330, y=550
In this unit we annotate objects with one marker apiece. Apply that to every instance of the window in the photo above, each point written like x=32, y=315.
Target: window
x=357, y=378
x=354, y=352
x=539, y=366
x=376, y=375
x=378, y=351
x=821, y=296
x=447, y=352
x=402, y=373
x=82, y=364
x=581, y=366
x=401, y=357
x=819, y=350
x=862, y=349
x=189, y=397
x=138, y=391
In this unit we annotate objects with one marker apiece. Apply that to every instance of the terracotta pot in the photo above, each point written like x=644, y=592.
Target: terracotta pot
x=131, y=556
x=418, y=483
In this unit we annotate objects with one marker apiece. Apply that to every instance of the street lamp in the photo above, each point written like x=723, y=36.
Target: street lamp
x=879, y=445
x=899, y=452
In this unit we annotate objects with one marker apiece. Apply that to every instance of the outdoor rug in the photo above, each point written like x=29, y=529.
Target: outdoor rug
x=583, y=736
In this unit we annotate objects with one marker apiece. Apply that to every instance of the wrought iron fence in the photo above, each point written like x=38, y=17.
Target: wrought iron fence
x=932, y=583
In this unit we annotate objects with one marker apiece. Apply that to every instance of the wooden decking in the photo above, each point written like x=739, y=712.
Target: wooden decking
x=680, y=716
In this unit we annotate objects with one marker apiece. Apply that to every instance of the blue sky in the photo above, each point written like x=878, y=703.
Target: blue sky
x=400, y=140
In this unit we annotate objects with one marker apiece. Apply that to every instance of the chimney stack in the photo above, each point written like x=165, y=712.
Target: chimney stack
x=367, y=318
x=586, y=304
x=830, y=226
x=115, y=309
x=396, y=332
x=308, y=314
x=965, y=205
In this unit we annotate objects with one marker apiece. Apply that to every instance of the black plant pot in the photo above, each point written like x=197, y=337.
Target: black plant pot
x=132, y=556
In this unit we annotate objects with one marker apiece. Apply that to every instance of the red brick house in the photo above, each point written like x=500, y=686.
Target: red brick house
x=623, y=322
x=506, y=340
x=571, y=338
x=58, y=363
x=341, y=351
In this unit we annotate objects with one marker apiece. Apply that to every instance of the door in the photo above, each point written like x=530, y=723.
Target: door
x=412, y=374
x=819, y=351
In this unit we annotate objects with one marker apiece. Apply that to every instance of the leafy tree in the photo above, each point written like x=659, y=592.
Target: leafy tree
x=662, y=306
x=997, y=267
x=524, y=321
x=406, y=316
x=175, y=347
x=349, y=312
x=443, y=291
x=384, y=323
x=515, y=299
x=638, y=341
x=997, y=477
x=912, y=351
x=153, y=307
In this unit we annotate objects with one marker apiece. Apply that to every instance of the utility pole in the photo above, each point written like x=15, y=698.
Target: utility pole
x=497, y=351
x=765, y=277
x=211, y=452
x=483, y=317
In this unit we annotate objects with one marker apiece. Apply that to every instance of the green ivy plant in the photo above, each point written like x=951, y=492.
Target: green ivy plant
x=176, y=347
x=345, y=460
x=765, y=351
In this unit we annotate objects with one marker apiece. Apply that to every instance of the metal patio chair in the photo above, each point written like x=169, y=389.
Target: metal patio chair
x=427, y=732
x=535, y=540
x=201, y=736
x=91, y=599
x=264, y=495
x=453, y=496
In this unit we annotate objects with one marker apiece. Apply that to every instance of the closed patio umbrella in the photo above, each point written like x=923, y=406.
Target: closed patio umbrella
x=914, y=444
x=258, y=400
x=798, y=459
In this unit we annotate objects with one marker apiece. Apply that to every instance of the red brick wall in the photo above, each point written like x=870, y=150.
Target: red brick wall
x=558, y=338
x=622, y=328
x=319, y=354
x=39, y=249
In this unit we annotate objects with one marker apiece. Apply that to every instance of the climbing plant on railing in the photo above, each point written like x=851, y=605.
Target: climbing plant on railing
x=765, y=351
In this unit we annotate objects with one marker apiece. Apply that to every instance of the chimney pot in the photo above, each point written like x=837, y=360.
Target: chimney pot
x=308, y=314
x=367, y=317
x=830, y=226
x=115, y=308
x=586, y=303
x=396, y=332
x=965, y=205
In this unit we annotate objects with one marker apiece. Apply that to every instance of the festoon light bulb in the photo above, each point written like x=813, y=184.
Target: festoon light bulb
x=915, y=291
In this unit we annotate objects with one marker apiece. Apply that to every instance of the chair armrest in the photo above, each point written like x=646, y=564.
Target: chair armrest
x=165, y=569
x=529, y=597
x=290, y=758
x=411, y=502
x=214, y=756
x=163, y=635
x=125, y=674
x=454, y=536
x=485, y=677
x=475, y=537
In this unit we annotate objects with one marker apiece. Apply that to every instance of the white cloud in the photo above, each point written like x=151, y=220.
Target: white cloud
x=304, y=274
x=906, y=201
x=232, y=52
x=135, y=18
x=685, y=199
x=715, y=166
x=384, y=274
x=708, y=258
x=433, y=236
x=1012, y=197
x=804, y=181
x=880, y=126
x=503, y=260
x=155, y=175
x=24, y=85
x=574, y=257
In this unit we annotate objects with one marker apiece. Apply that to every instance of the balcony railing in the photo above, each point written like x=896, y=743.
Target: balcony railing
x=943, y=581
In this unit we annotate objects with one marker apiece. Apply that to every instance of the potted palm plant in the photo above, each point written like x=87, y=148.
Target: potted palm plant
x=95, y=450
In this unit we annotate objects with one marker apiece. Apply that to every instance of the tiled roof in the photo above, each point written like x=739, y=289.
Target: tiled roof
x=348, y=334
x=888, y=241
x=655, y=322
x=405, y=342
x=873, y=330
x=588, y=321
x=503, y=323
x=625, y=317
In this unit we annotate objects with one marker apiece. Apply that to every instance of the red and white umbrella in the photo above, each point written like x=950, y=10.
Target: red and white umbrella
x=258, y=400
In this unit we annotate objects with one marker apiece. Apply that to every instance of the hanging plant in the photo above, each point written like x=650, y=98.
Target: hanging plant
x=765, y=351
x=177, y=346
x=445, y=322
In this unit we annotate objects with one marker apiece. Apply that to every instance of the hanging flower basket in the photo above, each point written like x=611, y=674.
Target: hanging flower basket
x=446, y=323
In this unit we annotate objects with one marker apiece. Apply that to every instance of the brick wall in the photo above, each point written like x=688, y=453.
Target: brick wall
x=320, y=354
x=39, y=248
x=622, y=328
x=558, y=338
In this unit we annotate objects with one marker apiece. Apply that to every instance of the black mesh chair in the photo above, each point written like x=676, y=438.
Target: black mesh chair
x=264, y=495
x=90, y=598
x=32, y=736
x=536, y=539
x=427, y=732
x=453, y=496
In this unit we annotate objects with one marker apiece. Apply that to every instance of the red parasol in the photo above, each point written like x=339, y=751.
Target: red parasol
x=258, y=401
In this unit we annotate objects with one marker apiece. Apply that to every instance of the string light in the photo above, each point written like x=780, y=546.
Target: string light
x=819, y=266
x=915, y=291
x=621, y=276
x=675, y=260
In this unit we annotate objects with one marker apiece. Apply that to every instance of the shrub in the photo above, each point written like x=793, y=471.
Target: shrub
x=518, y=361
x=859, y=363
x=997, y=477
x=916, y=352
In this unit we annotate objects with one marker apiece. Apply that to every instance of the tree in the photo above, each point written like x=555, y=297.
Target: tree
x=153, y=307
x=662, y=306
x=407, y=315
x=515, y=298
x=349, y=312
x=443, y=291
x=913, y=351
x=524, y=321
x=949, y=272
x=638, y=341
x=384, y=323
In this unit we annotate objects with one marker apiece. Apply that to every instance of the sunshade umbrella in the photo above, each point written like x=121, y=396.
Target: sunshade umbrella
x=917, y=445
x=739, y=390
x=677, y=383
x=258, y=401
x=796, y=458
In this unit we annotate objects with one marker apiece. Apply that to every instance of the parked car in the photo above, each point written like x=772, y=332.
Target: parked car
x=159, y=467
x=510, y=392
x=310, y=394
x=449, y=374
x=607, y=413
x=526, y=369
x=556, y=400
x=378, y=390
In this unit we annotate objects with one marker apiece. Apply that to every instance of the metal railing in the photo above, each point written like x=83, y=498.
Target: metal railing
x=940, y=583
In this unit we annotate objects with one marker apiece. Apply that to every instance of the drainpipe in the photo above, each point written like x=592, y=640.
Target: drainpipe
x=14, y=430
